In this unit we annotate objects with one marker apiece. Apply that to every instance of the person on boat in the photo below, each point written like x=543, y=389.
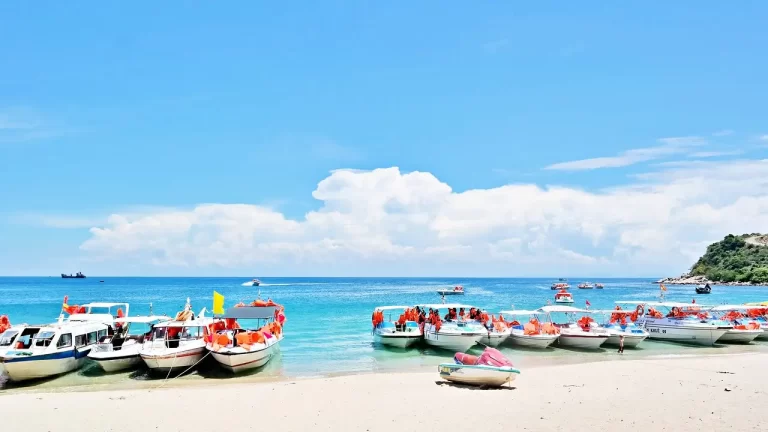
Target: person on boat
x=442, y=297
x=621, y=344
x=461, y=313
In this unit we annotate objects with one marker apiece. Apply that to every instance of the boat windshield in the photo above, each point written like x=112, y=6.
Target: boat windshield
x=43, y=339
x=139, y=329
x=6, y=339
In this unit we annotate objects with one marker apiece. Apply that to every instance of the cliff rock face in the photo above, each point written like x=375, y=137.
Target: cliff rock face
x=735, y=260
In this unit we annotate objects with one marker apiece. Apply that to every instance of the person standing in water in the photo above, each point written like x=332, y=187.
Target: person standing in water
x=621, y=344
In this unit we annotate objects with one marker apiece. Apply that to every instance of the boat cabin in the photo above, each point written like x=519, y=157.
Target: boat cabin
x=174, y=333
x=105, y=313
x=18, y=337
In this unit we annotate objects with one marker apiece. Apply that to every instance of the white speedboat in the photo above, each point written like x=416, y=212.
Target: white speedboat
x=252, y=282
x=177, y=345
x=54, y=350
x=496, y=333
x=563, y=296
x=454, y=335
x=237, y=348
x=681, y=324
x=577, y=334
x=402, y=332
x=457, y=290
x=586, y=285
x=538, y=332
x=559, y=286
x=491, y=368
x=120, y=351
x=745, y=329
x=618, y=324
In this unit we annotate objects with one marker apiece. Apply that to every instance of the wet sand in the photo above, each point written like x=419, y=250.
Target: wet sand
x=675, y=394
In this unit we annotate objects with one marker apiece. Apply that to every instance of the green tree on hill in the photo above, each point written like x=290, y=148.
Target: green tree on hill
x=733, y=259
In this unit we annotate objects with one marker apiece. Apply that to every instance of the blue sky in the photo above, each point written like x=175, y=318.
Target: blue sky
x=143, y=111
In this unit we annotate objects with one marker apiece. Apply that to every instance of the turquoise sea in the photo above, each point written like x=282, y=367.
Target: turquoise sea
x=329, y=319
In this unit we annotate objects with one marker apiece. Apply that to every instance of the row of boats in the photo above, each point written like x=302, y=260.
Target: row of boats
x=584, y=285
x=569, y=327
x=240, y=338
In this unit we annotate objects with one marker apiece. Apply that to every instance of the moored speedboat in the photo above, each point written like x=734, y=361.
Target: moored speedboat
x=239, y=349
x=744, y=330
x=457, y=290
x=620, y=324
x=54, y=350
x=563, y=296
x=121, y=350
x=400, y=333
x=579, y=334
x=684, y=322
x=599, y=286
x=538, y=332
x=559, y=286
x=451, y=334
x=491, y=368
x=586, y=285
x=177, y=345
x=704, y=289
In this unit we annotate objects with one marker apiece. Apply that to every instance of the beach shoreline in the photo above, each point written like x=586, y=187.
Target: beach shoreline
x=649, y=392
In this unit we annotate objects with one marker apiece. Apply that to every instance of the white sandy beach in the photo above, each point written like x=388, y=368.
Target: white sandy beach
x=673, y=394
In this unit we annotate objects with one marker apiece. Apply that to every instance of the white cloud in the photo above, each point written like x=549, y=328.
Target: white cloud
x=709, y=154
x=385, y=222
x=764, y=138
x=22, y=125
x=671, y=146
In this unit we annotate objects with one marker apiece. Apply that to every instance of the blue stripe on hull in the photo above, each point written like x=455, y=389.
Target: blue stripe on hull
x=13, y=357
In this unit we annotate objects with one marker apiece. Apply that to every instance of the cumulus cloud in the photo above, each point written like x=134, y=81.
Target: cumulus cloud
x=670, y=146
x=386, y=222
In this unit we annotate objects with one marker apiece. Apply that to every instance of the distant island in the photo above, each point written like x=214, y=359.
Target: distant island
x=735, y=260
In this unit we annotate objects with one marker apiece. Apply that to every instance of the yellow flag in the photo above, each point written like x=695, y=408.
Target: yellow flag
x=218, y=303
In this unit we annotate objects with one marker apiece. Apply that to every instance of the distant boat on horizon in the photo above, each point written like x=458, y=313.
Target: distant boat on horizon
x=78, y=275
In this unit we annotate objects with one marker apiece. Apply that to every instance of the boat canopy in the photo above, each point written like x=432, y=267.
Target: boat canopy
x=385, y=308
x=446, y=306
x=249, y=312
x=103, y=305
x=143, y=319
x=520, y=312
x=733, y=307
x=562, y=309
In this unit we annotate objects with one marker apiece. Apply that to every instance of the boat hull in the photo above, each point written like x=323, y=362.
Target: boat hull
x=565, y=300
x=173, y=361
x=494, y=339
x=705, y=335
x=236, y=362
x=42, y=366
x=477, y=375
x=117, y=363
x=533, y=341
x=397, y=340
x=740, y=336
x=581, y=341
x=630, y=340
x=452, y=342
x=450, y=292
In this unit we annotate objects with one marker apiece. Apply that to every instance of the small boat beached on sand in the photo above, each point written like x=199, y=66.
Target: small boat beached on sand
x=577, y=334
x=177, y=345
x=563, y=296
x=237, y=349
x=15, y=337
x=398, y=333
x=685, y=322
x=457, y=290
x=120, y=351
x=745, y=329
x=538, y=332
x=452, y=334
x=491, y=368
x=54, y=350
